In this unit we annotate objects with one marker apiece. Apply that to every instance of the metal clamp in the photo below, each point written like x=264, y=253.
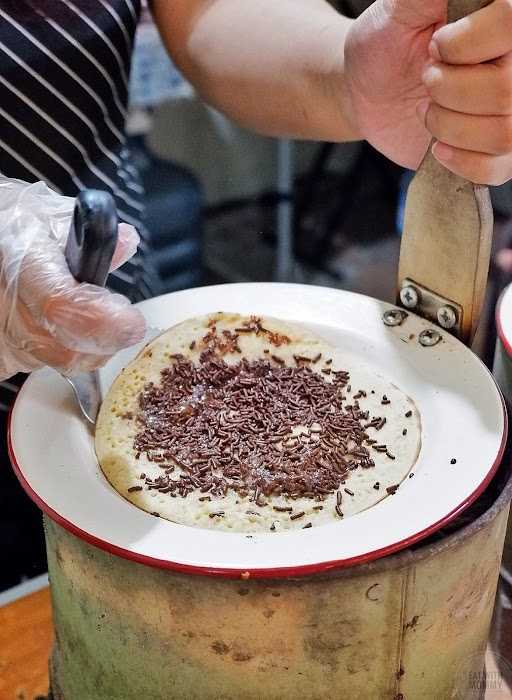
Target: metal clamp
x=429, y=305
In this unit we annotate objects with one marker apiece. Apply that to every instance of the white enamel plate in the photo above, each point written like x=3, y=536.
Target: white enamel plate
x=462, y=412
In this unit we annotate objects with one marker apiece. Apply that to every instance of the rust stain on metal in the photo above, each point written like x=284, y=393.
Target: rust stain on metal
x=220, y=647
x=411, y=625
x=326, y=632
x=58, y=555
x=369, y=591
x=473, y=594
x=329, y=637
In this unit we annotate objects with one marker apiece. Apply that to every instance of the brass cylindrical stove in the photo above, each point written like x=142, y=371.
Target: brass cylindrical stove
x=413, y=625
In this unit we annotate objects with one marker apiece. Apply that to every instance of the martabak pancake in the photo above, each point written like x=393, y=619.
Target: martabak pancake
x=253, y=424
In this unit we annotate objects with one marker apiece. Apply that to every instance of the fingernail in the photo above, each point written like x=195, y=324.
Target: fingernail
x=433, y=50
x=442, y=152
x=130, y=238
x=127, y=243
x=421, y=110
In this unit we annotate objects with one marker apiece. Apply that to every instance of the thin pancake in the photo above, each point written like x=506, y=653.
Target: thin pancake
x=131, y=473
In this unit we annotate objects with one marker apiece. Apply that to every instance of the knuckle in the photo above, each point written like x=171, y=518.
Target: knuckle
x=479, y=176
x=504, y=137
x=433, y=122
x=488, y=173
x=432, y=78
x=504, y=99
x=504, y=15
x=482, y=170
x=490, y=180
x=503, y=90
x=494, y=180
x=505, y=7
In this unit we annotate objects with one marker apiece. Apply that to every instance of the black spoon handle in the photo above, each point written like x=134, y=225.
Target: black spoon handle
x=92, y=237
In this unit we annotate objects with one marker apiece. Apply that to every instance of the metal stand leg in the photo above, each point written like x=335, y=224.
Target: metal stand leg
x=284, y=261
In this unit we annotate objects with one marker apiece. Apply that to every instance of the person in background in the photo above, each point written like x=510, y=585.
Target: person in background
x=395, y=76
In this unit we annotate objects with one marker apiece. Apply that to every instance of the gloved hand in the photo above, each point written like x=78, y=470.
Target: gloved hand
x=46, y=317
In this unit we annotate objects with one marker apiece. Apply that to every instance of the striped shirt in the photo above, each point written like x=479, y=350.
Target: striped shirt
x=64, y=76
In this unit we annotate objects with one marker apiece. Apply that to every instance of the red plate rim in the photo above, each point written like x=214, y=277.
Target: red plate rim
x=245, y=574
x=507, y=344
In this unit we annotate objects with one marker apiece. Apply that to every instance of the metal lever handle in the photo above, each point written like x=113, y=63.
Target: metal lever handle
x=446, y=245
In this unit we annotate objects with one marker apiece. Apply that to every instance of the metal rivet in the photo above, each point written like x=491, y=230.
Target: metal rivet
x=409, y=297
x=394, y=317
x=447, y=317
x=429, y=338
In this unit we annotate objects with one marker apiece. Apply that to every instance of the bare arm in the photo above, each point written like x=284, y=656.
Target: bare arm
x=275, y=66
x=395, y=76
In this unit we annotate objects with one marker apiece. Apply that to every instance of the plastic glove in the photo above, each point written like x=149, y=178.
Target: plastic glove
x=46, y=317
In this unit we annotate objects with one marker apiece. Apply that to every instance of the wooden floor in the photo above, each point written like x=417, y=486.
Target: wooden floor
x=26, y=636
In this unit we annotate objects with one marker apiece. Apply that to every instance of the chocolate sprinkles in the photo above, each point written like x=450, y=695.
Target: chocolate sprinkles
x=232, y=427
x=296, y=516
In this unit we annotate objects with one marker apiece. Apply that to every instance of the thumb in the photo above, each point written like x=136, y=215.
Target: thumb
x=92, y=320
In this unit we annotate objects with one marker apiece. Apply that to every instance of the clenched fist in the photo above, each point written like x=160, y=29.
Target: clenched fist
x=411, y=77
